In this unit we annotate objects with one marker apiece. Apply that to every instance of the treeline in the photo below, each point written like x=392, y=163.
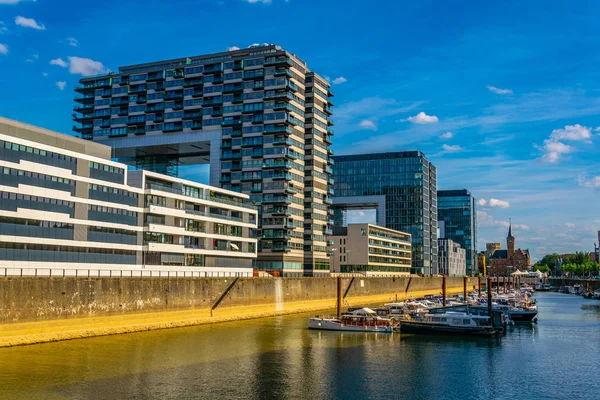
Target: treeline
x=576, y=264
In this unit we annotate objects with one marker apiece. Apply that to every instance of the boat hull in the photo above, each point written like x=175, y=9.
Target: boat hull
x=522, y=316
x=440, y=329
x=335, y=325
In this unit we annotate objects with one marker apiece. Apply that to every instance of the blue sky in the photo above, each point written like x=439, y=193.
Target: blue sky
x=503, y=97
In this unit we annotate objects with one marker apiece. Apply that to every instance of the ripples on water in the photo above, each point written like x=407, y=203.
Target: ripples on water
x=278, y=358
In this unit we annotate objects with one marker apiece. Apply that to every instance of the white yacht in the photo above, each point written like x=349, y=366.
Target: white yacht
x=361, y=320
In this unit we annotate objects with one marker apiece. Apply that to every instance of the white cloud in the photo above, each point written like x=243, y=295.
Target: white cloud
x=422, y=118
x=591, y=183
x=61, y=85
x=361, y=214
x=29, y=23
x=486, y=220
x=44, y=74
x=3, y=28
x=86, y=66
x=572, y=132
x=499, y=203
x=259, y=1
x=60, y=62
x=597, y=129
x=447, y=135
x=327, y=78
x=33, y=58
x=554, y=150
x=365, y=123
x=451, y=148
x=3, y=49
x=570, y=225
x=13, y=1
x=496, y=90
x=232, y=48
x=340, y=80
x=73, y=42
x=482, y=202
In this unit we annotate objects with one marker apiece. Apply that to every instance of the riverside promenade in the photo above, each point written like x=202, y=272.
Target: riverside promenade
x=43, y=309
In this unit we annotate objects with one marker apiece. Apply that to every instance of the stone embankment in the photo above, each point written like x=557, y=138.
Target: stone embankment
x=43, y=309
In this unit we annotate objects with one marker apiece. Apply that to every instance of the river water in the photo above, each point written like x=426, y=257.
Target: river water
x=278, y=358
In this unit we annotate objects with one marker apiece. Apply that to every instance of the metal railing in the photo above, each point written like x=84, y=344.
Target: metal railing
x=113, y=273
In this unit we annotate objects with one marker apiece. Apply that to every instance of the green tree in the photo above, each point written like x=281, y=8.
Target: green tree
x=541, y=268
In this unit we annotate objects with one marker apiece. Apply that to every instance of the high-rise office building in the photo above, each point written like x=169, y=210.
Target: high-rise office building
x=402, y=186
x=258, y=116
x=457, y=208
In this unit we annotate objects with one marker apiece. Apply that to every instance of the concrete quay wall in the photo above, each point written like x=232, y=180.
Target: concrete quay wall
x=42, y=309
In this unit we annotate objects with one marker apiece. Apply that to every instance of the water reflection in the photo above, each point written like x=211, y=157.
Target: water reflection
x=279, y=358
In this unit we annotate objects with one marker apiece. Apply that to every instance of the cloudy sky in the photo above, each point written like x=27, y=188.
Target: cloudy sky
x=504, y=98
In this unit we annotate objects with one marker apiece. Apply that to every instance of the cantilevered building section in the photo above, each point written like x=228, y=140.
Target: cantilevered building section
x=65, y=205
x=258, y=116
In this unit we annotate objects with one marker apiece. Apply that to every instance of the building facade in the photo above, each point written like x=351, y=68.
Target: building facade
x=452, y=258
x=490, y=249
x=505, y=262
x=65, y=204
x=402, y=186
x=482, y=261
x=258, y=116
x=370, y=250
x=457, y=209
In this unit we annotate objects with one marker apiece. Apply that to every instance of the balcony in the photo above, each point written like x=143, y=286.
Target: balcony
x=282, y=247
x=276, y=164
x=282, y=175
x=237, y=99
x=213, y=68
x=247, y=178
x=123, y=81
x=327, y=232
x=173, y=96
x=82, y=118
x=284, y=72
x=278, y=129
x=137, y=89
x=225, y=179
x=328, y=170
x=277, y=199
x=282, y=140
x=278, y=61
x=82, y=127
x=330, y=191
x=155, y=76
x=275, y=235
x=198, y=83
x=231, y=156
x=327, y=200
x=280, y=211
x=173, y=128
x=292, y=190
x=83, y=107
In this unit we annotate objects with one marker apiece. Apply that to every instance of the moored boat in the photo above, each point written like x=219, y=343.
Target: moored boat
x=451, y=322
x=360, y=320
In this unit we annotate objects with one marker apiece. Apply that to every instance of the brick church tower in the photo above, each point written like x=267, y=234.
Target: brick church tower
x=510, y=244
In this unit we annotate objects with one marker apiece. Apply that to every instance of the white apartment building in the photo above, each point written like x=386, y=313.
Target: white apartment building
x=64, y=205
x=370, y=250
x=452, y=259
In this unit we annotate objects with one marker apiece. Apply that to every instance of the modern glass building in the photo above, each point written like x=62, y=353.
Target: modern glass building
x=457, y=210
x=402, y=186
x=258, y=116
